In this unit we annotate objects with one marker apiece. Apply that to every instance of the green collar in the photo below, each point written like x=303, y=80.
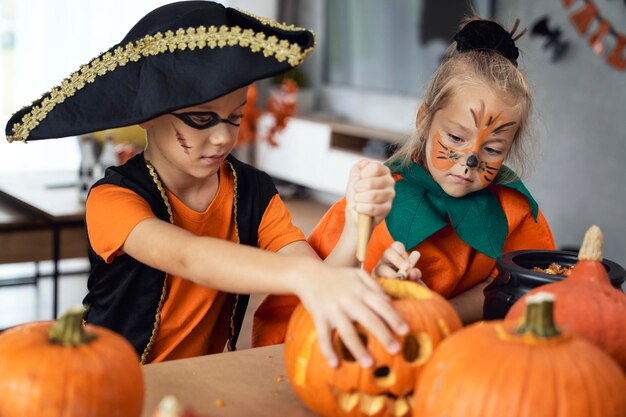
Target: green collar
x=421, y=208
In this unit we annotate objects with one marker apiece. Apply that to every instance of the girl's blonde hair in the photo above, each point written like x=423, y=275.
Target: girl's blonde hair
x=474, y=68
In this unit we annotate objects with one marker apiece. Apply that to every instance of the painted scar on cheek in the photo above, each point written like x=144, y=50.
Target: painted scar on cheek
x=182, y=142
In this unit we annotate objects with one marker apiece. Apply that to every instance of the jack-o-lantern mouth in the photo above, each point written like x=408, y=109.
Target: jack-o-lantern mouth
x=373, y=404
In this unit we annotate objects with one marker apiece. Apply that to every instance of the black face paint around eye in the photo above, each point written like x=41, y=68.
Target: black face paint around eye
x=187, y=118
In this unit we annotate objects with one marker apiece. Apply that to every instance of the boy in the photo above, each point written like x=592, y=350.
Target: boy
x=163, y=228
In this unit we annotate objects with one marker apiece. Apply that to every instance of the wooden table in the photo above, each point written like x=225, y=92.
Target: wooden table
x=53, y=198
x=54, y=195
x=251, y=383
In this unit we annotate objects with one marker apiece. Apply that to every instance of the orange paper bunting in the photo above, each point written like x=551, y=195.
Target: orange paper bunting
x=281, y=104
x=588, y=16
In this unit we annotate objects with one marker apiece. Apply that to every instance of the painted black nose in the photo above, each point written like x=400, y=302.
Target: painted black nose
x=472, y=161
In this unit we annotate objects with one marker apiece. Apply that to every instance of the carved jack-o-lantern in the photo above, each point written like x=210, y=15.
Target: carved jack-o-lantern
x=386, y=388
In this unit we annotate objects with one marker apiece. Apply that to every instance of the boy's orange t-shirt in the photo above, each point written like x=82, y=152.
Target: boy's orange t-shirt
x=194, y=318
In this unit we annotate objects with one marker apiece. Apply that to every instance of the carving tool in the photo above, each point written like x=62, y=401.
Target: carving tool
x=363, y=232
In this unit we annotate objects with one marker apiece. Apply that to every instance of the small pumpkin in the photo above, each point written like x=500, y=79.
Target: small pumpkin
x=588, y=304
x=386, y=388
x=54, y=369
x=495, y=369
x=170, y=406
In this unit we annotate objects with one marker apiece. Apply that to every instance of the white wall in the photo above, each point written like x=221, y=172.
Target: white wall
x=580, y=175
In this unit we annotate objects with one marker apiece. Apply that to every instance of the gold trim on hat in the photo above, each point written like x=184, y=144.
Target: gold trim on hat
x=151, y=45
x=274, y=23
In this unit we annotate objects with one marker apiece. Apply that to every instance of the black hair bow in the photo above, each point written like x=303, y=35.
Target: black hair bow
x=487, y=35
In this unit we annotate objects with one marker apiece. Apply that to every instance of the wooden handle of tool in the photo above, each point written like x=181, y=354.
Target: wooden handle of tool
x=363, y=231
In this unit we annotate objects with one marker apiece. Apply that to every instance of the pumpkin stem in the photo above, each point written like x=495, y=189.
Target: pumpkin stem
x=68, y=329
x=539, y=317
x=591, y=249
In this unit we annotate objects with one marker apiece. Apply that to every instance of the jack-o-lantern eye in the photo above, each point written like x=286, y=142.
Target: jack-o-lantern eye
x=416, y=349
x=384, y=377
x=410, y=348
x=344, y=352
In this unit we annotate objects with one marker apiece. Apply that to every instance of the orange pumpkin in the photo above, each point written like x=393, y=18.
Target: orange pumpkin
x=495, y=369
x=384, y=389
x=588, y=304
x=54, y=369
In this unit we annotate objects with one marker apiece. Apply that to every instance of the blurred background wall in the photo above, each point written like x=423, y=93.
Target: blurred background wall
x=579, y=176
x=580, y=172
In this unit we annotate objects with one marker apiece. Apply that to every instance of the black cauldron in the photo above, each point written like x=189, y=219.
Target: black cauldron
x=516, y=277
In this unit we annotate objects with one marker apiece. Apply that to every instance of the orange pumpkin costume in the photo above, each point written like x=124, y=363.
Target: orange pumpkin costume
x=449, y=265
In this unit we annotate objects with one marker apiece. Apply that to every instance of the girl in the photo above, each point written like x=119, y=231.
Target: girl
x=162, y=229
x=456, y=203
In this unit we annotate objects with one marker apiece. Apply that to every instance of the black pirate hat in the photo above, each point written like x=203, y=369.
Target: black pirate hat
x=178, y=55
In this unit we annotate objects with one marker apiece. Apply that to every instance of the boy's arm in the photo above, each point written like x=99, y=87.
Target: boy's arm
x=335, y=297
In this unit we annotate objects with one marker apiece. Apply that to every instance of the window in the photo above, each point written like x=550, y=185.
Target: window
x=390, y=46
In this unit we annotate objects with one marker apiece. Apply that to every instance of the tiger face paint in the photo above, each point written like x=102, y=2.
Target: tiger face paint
x=469, y=140
x=468, y=154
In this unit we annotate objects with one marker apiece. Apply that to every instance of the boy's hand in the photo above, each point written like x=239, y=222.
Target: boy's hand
x=396, y=262
x=340, y=297
x=370, y=191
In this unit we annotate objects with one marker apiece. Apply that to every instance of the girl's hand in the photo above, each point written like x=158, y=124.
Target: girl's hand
x=338, y=298
x=396, y=262
x=370, y=191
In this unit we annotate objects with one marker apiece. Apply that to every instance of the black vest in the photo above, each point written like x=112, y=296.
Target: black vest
x=124, y=295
